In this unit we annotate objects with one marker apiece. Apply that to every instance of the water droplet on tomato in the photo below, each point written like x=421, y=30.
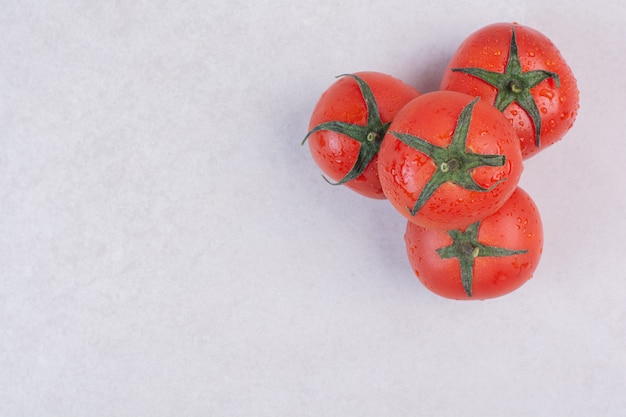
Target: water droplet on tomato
x=497, y=53
x=544, y=92
x=530, y=53
x=543, y=110
x=497, y=177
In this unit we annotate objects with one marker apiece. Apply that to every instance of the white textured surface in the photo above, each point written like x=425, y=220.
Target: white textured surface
x=167, y=248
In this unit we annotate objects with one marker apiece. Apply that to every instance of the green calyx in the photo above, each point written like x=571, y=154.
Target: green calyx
x=369, y=136
x=465, y=247
x=454, y=163
x=514, y=85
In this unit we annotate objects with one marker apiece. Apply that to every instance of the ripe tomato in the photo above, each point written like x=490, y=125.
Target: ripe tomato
x=448, y=160
x=522, y=73
x=348, y=124
x=487, y=259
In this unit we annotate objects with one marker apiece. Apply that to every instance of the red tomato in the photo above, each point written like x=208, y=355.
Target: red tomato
x=488, y=259
x=348, y=125
x=448, y=160
x=522, y=73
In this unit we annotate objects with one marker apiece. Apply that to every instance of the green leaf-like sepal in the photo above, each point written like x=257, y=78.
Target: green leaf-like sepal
x=514, y=85
x=466, y=247
x=454, y=163
x=369, y=136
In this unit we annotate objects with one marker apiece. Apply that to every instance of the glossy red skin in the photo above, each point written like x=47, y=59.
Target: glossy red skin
x=517, y=226
x=488, y=48
x=336, y=153
x=404, y=171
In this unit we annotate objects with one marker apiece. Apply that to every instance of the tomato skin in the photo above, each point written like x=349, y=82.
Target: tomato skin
x=488, y=48
x=517, y=226
x=335, y=153
x=405, y=171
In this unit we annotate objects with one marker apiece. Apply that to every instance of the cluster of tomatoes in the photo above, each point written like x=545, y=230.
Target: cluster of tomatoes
x=450, y=160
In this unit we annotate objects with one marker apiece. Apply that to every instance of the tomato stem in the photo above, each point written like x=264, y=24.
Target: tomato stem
x=467, y=248
x=515, y=86
x=373, y=136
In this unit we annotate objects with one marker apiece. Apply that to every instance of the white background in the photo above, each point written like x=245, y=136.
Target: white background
x=167, y=247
